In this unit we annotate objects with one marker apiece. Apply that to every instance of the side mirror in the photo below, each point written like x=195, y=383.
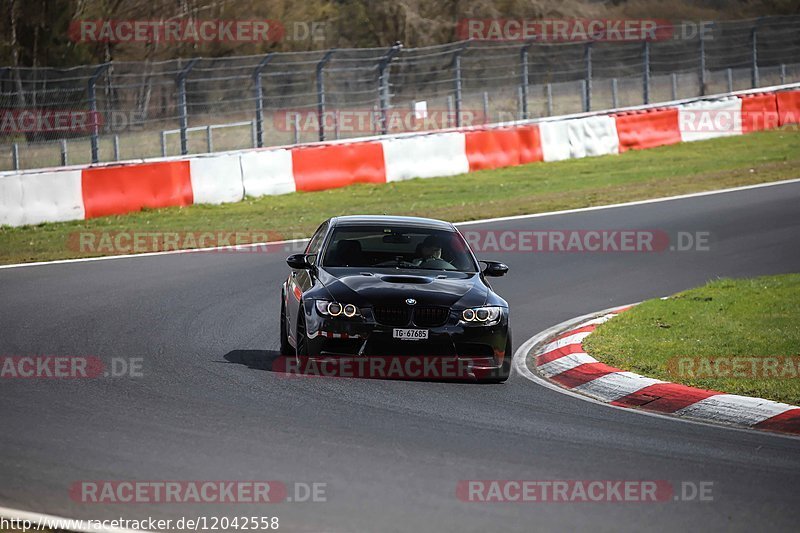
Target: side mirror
x=495, y=269
x=299, y=261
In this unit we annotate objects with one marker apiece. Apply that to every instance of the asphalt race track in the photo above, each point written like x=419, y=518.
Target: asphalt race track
x=391, y=452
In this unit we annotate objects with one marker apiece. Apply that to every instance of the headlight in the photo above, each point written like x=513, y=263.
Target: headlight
x=482, y=316
x=327, y=308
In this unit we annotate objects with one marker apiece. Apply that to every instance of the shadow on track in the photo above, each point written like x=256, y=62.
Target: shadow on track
x=255, y=359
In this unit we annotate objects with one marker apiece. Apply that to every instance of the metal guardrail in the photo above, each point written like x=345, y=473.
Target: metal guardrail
x=209, y=131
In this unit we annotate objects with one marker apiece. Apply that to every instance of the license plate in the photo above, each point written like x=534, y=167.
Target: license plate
x=410, y=334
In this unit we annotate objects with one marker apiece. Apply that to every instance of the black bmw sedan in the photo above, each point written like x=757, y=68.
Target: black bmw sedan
x=395, y=294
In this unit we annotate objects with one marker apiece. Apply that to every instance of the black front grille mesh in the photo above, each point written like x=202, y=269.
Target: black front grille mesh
x=430, y=317
x=392, y=315
x=426, y=317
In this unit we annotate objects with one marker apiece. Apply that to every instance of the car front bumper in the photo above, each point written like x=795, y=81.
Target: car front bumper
x=453, y=348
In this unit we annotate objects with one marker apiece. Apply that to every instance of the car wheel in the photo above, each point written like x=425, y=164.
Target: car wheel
x=302, y=339
x=285, y=348
x=504, y=371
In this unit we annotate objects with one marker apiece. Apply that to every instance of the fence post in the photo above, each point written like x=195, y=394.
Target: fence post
x=449, y=110
x=457, y=64
x=524, y=85
x=182, y=108
x=116, y=147
x=674, y=86
x=15, y=156
x=209, y=141
x=702, y=72
x=64, y=159
x=587, y=53
x=729, y=73
x=549, y=90
x=646, y=72
x=260, y=98
x=383, y=82
x=783, y=73
x=754, y=45
x=296, y=127
x=163, y=143
x=91, y=94
x=614, y=95
x=583, y=94
x=486, y=107
x=321, y=92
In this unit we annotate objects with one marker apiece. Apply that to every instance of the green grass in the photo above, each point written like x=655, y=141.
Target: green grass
x=538, y=187
x=732, y=319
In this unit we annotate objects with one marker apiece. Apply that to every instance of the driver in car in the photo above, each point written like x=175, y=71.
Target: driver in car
x=429, y=250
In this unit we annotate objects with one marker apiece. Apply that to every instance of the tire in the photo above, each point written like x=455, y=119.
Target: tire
x=302, y=339
x=285, y=348
x=504, y=372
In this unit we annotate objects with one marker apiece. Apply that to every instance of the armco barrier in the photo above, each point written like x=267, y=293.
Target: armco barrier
x=41, y=197
x=503, y=147
x=638, y=130
x=759, y=112
x=54, y=195
x=788, y=107
x=126, y=188
x=425, y=156
x=336, y=165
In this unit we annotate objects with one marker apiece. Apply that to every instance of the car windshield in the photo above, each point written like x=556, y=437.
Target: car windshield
x=382, y=246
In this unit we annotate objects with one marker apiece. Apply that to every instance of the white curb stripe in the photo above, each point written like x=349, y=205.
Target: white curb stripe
x=597, y=321
x=575, y=338
x=612, y=387
x=521, y=365
x=735, y=409
x=562, y=364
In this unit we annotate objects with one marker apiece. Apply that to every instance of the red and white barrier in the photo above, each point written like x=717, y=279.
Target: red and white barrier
x=117, y=190
x=788, y=103
x=33, y=197
x=425, y=156
x=216, y=179
x=503, y=147
x=593, y=136
x=699, y=121
x=317, y=168
x=41, y=197
x=267, y=172
x=638, y=130
x=555, y=140
x=759, y=112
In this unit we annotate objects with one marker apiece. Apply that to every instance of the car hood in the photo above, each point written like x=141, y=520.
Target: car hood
x=393, y=287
